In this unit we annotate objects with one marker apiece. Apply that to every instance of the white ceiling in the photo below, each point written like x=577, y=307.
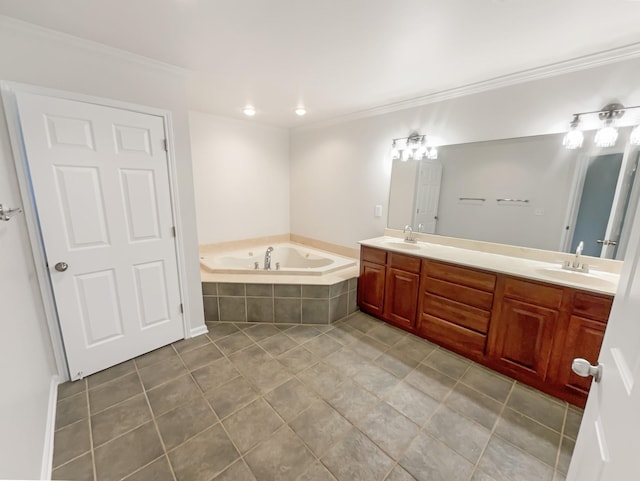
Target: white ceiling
x=338, y=57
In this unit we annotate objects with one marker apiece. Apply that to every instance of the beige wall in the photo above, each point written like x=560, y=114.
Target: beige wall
x=241, y=178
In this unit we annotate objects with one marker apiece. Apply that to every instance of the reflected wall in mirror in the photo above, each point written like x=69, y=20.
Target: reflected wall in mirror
x=527, y=191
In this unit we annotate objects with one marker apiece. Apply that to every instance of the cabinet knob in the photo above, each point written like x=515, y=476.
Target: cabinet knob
x=584, y=368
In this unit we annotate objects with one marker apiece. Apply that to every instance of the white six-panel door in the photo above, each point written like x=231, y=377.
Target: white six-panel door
x=428, y=195
x=608, y=444
x=101, y=186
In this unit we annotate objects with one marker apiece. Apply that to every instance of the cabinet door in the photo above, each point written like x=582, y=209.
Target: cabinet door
x=401, y=297
x=584, y=338
x=522, y=337
x=371, y=288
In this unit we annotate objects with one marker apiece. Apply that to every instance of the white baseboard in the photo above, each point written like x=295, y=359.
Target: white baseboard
x=47, y=451
x=198, y=331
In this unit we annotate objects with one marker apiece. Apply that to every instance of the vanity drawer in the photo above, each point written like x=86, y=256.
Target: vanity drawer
x=455, y=292
x=593, y=307
x=457, y=338
x=370, y=254
x=404, y=263
x=456, y=312
x=537, y=294
x=460, y=275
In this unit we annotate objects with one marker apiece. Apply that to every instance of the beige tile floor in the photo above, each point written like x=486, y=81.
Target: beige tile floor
x=355, y=401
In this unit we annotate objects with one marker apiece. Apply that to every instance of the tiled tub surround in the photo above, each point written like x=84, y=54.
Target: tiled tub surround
x=354, y=401
x=279, y=303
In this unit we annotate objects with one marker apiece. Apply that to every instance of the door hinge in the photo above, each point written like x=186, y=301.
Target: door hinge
x=182, y=308
x=165, y=144
x=173, y=231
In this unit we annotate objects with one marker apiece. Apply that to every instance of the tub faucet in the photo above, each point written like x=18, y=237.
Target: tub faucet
x=267, y=258
x=409, y=237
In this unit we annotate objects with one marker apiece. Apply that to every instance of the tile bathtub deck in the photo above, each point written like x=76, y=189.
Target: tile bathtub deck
x=357, y=400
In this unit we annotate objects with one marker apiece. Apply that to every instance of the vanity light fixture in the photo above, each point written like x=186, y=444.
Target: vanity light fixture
x=634, y=138
x=607, y=135
x=413, y=147
x=249, y=111
x=395, y=151
x=574, y=138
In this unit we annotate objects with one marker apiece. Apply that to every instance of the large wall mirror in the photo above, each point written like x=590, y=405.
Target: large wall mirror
x=527, y=191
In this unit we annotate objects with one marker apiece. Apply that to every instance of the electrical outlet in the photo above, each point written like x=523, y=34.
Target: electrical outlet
x=378, y=211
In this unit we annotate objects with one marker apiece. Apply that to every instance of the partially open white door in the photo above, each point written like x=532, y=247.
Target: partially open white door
x=101, y=186
x=608, y=445
x=427, y=195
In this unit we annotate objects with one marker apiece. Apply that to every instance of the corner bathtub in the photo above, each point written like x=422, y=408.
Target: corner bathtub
x=286, y=259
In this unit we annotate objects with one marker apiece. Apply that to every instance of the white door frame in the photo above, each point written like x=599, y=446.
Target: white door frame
x=9, y=90
x=575, y=195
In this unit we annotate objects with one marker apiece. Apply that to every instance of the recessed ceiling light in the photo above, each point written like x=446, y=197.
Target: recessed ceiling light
x=300, y=111
x=249, y=111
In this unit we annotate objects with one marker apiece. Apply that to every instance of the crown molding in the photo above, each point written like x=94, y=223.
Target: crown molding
x=20, y=26
x=576, y=64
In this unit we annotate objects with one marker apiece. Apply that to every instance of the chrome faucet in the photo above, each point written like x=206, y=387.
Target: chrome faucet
x=576, y=265
x=267, y=258
x=409, y=237
x=420, y=227
x=579, y=249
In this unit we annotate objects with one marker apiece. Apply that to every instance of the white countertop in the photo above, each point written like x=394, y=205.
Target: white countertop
x=595, y=281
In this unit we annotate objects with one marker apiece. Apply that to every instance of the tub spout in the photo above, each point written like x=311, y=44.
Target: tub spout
x=267, y=258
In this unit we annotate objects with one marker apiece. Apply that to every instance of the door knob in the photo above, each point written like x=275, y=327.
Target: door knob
x=583, y=368
x=61, y=266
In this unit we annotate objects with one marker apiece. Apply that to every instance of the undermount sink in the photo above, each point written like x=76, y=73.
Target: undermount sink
x=601, y=280
x=403, y=245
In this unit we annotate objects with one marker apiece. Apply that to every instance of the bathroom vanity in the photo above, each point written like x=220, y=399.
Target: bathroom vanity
x=525, y=318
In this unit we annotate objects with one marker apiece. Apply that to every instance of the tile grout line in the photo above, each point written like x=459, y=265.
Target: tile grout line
x=378, y=399
x=155, y=424
x=559, y=452
x=220, y=421
x=422, y=429
x=261, y=396
x=287, y=424
x=492, y=431
x=93, y=454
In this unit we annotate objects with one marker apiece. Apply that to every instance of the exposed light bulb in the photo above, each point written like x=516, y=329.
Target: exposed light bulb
x=634, y=138
x=420, y=152
x=300, y=111
x=407, y=154
x=573, y=139
x=606, y=136
x=432, y=153
x=395, y=152
x=249, y=111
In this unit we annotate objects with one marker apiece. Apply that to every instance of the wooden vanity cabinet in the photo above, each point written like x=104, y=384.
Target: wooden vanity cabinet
x=371, y=284
x=455, y=307
x=580, y=336
x=523, y=326
x=526, y=329
x=401, y=290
